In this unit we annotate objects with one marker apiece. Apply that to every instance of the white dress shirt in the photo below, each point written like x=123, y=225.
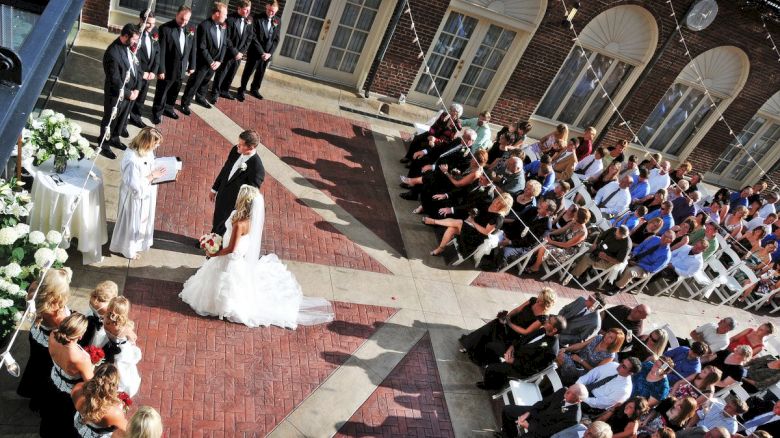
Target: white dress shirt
x=656, y=181
x=617, y=204
x=148, y=44
x=715, y=340
x=766, y=209
x=685, y=264
x=595, y=168
x=241, y=26
x=219, y=35
x=613, y=392
x=756, y=222
x=181, y=39
x=241, y=160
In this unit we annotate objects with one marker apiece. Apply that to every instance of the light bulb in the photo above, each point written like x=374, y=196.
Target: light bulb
x=10, y=364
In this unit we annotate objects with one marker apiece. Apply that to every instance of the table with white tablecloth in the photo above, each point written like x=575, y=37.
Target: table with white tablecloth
x=53, y=202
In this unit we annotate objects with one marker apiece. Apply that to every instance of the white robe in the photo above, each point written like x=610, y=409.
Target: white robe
x=134, y=229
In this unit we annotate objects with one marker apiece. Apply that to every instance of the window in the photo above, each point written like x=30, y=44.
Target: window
x=162, y=8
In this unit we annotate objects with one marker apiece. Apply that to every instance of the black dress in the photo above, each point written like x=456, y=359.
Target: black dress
x=36, y=373
x=57, y=412
x=471, y=238
x=640, y=234
x=618, y=421
x=477, y=341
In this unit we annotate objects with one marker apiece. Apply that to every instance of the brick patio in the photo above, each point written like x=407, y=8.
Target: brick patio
x=214, y=378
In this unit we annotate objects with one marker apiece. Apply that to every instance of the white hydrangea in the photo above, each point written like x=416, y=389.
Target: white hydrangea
x=15, y=290
x=58, y=145
x=46, y=113
x=22, y=229
x=26, y=134
x=12, y=269
x=19, y=210
x=17, y=317
x=54, y=237
x=59, y=117
x=75, y=129
x=5, y=303
x=36, y=237
x=41, y=154
x=61, y=255
x=8, y=236
x=44, y=257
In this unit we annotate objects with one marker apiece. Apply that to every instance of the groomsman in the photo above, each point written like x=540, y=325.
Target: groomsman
x=117, y=61
x=148, y=55
x=177, y=59
x=212, y=44
x=240, y=35
x=267, y=26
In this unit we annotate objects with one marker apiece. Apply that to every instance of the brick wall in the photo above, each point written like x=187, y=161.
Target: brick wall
x=95, y=12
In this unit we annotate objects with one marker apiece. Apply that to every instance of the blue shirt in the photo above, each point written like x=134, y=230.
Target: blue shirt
x=549, y=183
x=641, y=387
x=532, y=167
x=735, y=201
x=639, y=189
x=629, y=220
x=656, y=260
x=682, y=364
x=772, y=238
x=668, y=220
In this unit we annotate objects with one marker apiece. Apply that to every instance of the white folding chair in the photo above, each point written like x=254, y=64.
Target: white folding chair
x=732, y=289
x=526, y=392
x=638, y=284
x=728, y=251
x=523, y=260
x=673, y=342
x=736, y=388
x=563, y=268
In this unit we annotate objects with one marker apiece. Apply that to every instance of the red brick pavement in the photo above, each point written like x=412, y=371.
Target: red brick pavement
x=293, y=231
x=212, y=378
x=337, y=155
x=532, y=285
x=409, y=402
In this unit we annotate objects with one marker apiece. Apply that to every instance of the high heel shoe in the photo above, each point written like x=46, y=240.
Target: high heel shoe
x=404, y=180
x=437, y=252
x=417, y=210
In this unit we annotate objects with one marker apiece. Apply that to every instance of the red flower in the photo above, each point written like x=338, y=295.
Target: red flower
x=211, y=242
x=275, y=21
x=155, y=36
x=125, y=398
x=95, y=354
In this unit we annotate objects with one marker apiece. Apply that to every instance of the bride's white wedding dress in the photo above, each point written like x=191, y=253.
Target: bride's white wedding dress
x=249, y=290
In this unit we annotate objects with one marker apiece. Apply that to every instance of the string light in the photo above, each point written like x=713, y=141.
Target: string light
x=10, y=364
x=769, y=37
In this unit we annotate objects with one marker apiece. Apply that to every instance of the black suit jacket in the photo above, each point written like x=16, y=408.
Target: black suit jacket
x=532, y=357
x=173, y=62
x=146, y=62
x=227, y=188
x=773, y=428
x=208, y=51
x=548, y=416
x=239, y=43
x=265, y=42
x=115, y=66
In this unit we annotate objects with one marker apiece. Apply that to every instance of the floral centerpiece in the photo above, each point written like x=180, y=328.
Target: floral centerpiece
x=53, y=135
x=23, y=253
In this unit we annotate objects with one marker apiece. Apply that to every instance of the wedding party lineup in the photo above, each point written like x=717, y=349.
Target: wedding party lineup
x=401, y=218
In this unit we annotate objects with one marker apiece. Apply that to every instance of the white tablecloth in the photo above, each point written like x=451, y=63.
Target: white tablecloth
x=53, y=203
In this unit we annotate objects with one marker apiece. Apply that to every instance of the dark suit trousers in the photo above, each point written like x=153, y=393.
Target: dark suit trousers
x=418, y=143
x=119, y=123
x=197, y=84
x=256, y=65
x=509, y=416
x=136, y=109
x=165, y=96
x=224, y=76
x=497, y=375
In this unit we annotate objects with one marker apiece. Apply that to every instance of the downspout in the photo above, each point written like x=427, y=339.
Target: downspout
x=399, y=10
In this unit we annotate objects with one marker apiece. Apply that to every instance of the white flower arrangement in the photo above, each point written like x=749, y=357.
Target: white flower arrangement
x=44, y=257
x=54, y=237
x=60, y=255
x=5, y=303
x=52, y=134
x=8, y=235
x=12, y=270
x=36, y=237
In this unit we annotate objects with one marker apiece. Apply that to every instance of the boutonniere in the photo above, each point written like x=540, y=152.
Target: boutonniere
x=190, y=31
x=243, y=167
x=544, y=344
x=275, y=21
x=223, y=26
x=156, y=37
x=564, y=409
x=248, y=21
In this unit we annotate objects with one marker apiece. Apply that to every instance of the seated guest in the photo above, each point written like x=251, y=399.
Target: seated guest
x=646, y=259
x=606, y=176
x=509, y=138
x=758, y=188
x=590, y=165
x=519, y=237
x=652, y=346
x=693, y=182
x=735, y=221
x=722, y=197
x=481, y=125
x=450, y=157
x=677, y=190
x=665, y=213
x=652, y=162
x=508, y=326
x=532, y=168
x=527, y=198
x=558, y=193
x=687, y=360
x=526, y=357
x=582, y=319
x=611, y=247
x=443, y=180
x=597, y=429
x=659, y=178
x=485, y=222
x=700, y=386
x=563, y=243
x=615, y=153
x=731, y=364
x=679, y=173
x=769, y=206
x=442, y=131
x=769, y=422
x=546, y=417
x=623, y=316
x=631, y=219
x=610, y=384
x=651, y=382
x=565, y=161
x=764, y=223
x=709, y=233
x=682, y=230
x=614, y=198
x=462, y=203
x=752, y=337
x=655, y=201
x=630, y=168
x=716, y=336
x=685, y=262
x=685, y=206
x=739, y=199
x=715, y=414
x=670, y=413
x=640, y=188
x=749, y=243
x=577, y=359
x=624, y=419
x=713, y=211
x=546, y=177
x=762, y=372
x=586, y=142
x=512, y=181
x=545, y=144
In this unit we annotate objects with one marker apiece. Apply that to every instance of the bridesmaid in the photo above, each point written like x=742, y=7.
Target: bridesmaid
x=71, y=365
x=99, y=411
x=120, y=347
x=50, y=310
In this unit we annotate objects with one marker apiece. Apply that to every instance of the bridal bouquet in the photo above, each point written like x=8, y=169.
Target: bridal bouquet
x=211, y=242
x=96, y=354
x=53, y=135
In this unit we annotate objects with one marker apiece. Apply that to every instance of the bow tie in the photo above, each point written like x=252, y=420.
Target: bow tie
x=111, y=349
x=96, y=321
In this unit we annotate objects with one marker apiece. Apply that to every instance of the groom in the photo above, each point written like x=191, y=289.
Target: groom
x=243, y=166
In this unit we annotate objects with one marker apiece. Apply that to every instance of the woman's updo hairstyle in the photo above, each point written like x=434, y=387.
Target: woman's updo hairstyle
x=71, y=328
x=100, y=393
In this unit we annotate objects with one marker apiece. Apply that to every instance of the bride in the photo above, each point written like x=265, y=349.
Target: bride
x=237, y=284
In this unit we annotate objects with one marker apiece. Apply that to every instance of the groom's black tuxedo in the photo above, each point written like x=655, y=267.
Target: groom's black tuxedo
x=227, y=188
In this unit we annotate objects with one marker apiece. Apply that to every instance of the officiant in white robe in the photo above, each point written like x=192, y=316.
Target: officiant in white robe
x=134, y=228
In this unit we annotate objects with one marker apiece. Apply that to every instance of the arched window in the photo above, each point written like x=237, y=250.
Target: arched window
x=618, y=43
x=761, y=140
x=684, y=114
